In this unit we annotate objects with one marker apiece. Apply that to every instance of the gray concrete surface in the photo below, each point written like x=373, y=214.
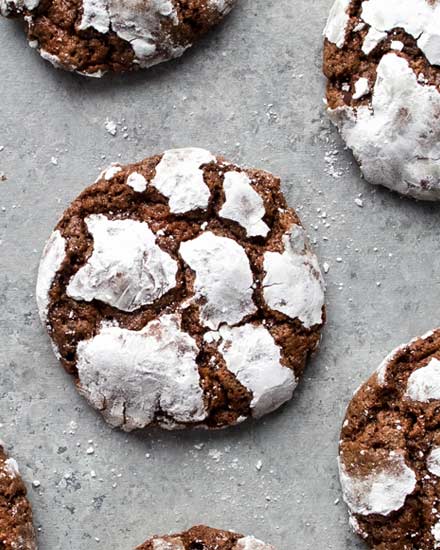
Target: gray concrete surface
x=253, y=91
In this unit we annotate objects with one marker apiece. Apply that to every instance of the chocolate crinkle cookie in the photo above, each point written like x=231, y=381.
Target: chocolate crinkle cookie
x=382, y=61
x=92, y=37
x=205, y=538
x=16, y=528
x=182, y=291
x=390, y=450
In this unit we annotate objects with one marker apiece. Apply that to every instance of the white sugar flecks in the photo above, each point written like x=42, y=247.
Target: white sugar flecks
x=251, y=353
x=133, y=375
x=137, y=182
x=382, y=491
x=223, y=279
x=51, y=260
x=179, y=177
x=127, y=269
x=424, y=383
x=397, y=139
x=293, y=283
x=174, y=543
x=243, y=204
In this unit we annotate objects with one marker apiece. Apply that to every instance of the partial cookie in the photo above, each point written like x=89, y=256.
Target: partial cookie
x=181, y=291
x=382, y=61
x=92, y=37
x=205, y=538
x=390, y=450
x=16, y=529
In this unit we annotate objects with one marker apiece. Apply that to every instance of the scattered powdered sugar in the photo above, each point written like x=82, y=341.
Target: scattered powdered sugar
x=251, y=543
x=133, y=375
x=293, y=283
x=251, y=353
x=424, y=383
x=382, y=491
x=337, y=23
x=223, y=279
x=396, y=140
x=180, y=178
x=111, y=171
x=243, y=204
x=137, y=182
x=127, y=269
x=51, y=260
x=372, y=39
x=433, y=461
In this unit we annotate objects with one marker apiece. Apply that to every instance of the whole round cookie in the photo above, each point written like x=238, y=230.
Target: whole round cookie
x=16, y=528
x=390, y=450
x=382, y=61
x=206, y=538
x=182, y=291
x=92, y=37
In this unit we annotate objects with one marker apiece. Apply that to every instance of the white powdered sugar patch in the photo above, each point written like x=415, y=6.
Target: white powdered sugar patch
x=223, y=279
x=433, y=461
x=111, y=172
x=397, y=139
x=424, y=383
x=11, y=467
x=137, y=182
x=361, y=87
x=251, y=543
x=133, y=375
x=293, y=283
x=382, y=491
x=243, y=204
x=6, y=6
x=435, y=530
x=175, y=543
x=372, y=39
x=251, y=353
x=337, y=23
x=180, y=178
x=135, y=21
x=419, y=18
x=127, y=269
x=53, y=255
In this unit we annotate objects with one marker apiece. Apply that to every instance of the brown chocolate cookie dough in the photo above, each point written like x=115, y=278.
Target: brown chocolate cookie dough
x=181, y=291
x=382, y=61
x=390, y=450
x=92, y=37
x=206, y=538
x=16, y=529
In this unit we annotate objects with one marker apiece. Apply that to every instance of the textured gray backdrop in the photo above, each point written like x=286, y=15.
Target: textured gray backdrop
x=253, y=91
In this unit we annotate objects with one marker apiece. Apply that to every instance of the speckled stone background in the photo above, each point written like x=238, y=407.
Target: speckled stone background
x=252, y=91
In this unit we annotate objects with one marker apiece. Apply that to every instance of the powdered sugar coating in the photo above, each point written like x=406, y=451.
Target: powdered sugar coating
x=243, y=204
x=435, y=530
x=51, y=260
x=433, y=461
x=137, y=182
x=11, y=467
x=251, y=543
x=127, y=269
x=382, y=491
x=223, y=279
x=397, y=139
x=424, y=383
x=180, y=179
x=175, y=543
x=131, y=376
x=337, y=22
x=251, y=353
x=293, y=283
